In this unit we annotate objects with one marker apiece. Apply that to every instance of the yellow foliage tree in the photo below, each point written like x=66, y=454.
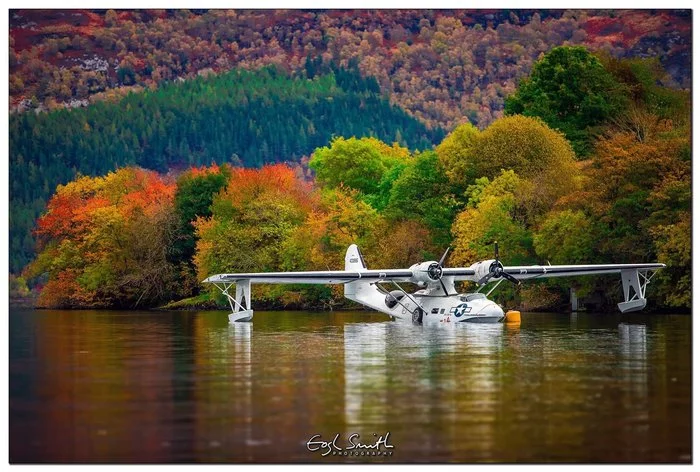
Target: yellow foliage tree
x=455, y=153
x=536, y=153
x=495, y=217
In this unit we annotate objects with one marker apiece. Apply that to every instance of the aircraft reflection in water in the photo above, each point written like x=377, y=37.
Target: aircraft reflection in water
x=518, y=395
x=392, y=373
x=240, y=335
x=390, y=378
x=223, y=392
x=634, y=349
x=365, y=374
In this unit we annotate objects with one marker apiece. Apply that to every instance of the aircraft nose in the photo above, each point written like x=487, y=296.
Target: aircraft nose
x=492, y=309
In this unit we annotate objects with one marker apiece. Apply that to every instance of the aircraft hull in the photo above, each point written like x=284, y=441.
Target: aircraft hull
x=483, y=319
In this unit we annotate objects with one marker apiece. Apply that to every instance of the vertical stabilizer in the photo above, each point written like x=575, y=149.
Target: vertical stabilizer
x=360, y=291
x=354, y=260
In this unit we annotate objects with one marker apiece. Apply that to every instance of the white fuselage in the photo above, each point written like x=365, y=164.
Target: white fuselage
x=426, y=306
x=471, y=307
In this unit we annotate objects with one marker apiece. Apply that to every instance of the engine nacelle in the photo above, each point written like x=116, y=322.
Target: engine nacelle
x=426, y=272
x=481, y=269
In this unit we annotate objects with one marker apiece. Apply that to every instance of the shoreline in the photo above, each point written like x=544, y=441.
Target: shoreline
x=166, y=308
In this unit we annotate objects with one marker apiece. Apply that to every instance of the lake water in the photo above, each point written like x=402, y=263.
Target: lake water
x=98, y=386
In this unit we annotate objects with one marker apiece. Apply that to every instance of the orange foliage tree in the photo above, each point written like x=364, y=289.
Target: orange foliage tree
x=104, y=241
x=270, y=219
x=251, y=220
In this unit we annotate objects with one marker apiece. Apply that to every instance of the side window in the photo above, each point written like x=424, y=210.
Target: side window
x=434, y=311
x=442, y=311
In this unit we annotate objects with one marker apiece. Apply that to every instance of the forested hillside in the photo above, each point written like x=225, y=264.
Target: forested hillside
x=565, y=134
x=241, y=117
x=444, y=67
x=135, y=238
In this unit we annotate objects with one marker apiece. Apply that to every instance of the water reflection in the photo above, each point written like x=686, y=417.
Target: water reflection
x=451, y=375
x=634, y=340
x=365, y=375
x=223, y=391
x=240, y=335
x=634, y=353
x=190, y=387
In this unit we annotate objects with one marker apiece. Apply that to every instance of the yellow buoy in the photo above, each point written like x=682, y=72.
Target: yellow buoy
x=512, y=316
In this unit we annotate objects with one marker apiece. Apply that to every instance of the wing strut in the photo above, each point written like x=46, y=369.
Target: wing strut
x=637, y=280
x=397, y=300
x=240, y=304
x=410, y=297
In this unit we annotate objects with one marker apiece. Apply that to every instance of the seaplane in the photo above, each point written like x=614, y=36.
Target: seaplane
x=436, y=300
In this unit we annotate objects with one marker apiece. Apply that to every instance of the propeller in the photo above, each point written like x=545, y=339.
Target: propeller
x=435, y=270
x=496, y=270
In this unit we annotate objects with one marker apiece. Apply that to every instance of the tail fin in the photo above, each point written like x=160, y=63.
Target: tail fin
x=360, y=290
x=354, y=260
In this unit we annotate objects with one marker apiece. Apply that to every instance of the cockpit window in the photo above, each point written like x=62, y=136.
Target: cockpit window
x=472, y=296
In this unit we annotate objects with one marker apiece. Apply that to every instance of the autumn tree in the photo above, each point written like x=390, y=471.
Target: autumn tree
x=341, y=219
x=566, y=237
x=104, y=242
x=456, y=151
x=540, y=156
x=251, y=221
x=633, y=204
x=641, y=194
x=422, y=192
x=673, y=246
x=358, y=164
x=571, y=91
x=493, y=215
x=402, y=243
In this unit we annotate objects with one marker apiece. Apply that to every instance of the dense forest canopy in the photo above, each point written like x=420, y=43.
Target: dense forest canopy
x=443, y=67
x=572, y=92
x=242, y=117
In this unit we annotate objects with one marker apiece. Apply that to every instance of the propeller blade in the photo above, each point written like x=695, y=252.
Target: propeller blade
x=442, y=259
x=495, y=249
x=486, y=278
x=510, y=278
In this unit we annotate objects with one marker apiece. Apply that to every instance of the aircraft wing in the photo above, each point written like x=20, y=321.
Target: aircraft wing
x=315, y=277
x=473, y=273
x=459, y=273
x=535, y=272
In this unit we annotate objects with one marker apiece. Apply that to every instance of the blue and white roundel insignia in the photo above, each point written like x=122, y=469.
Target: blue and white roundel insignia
x=460, y=310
